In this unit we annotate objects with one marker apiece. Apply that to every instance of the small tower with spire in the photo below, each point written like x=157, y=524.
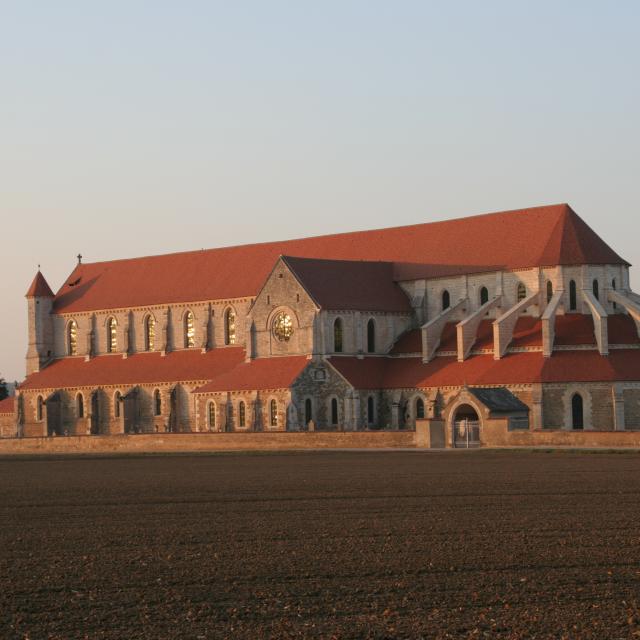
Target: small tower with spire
x=40, y=305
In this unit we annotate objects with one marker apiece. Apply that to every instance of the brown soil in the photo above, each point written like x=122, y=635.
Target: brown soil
x=321, y=545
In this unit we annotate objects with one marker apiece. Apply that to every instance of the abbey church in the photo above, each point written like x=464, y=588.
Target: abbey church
x=527, y=313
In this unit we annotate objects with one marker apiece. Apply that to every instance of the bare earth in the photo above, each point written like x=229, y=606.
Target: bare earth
x=321, y=545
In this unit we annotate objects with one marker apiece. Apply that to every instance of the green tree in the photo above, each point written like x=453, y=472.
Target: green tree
x=4, y=389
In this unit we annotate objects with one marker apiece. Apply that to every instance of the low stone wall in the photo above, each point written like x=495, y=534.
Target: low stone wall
x=283, y=441
x=562, y=438
x=185, y=442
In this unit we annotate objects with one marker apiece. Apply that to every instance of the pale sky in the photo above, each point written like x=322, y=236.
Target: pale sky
x=139, y=127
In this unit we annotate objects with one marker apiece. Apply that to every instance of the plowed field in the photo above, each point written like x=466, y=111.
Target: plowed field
x=321, y=545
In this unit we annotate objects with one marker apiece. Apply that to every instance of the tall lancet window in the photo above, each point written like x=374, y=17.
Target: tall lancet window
x=229, y=326
x=371, y=336
x=72, y=338
x=549, y=290
x=337, y=335
x=484, y=296
x=112, y=335
x=189, y=330
x=573, y=296
x=150, y=333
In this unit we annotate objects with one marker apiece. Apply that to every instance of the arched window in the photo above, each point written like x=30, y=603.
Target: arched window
x=189, y=330
x=596, y=289
x=420, y=409
x=549, y=291
x=334, y=411
x=337, y=335
x=149, y=333
x=573, y=296
x=157, y=403
x=308, y=411
x=613, y=286
x=117, y=398
x=211, y=415
x=446, y=300
x=39, y=408
x=229, y=326
x=522, y=292
x=80, y=405
x=112, y=335
x=371, y=336
x=371, y=410
x=484, y=296
x=577, y=411
x=72, y=338
x=242, y=419
x=273, y=413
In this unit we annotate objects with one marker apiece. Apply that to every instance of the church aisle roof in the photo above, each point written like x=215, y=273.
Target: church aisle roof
x=141, y=368
x=571, y=330
x=263, y=373
x=541, y=236
x=482, y=370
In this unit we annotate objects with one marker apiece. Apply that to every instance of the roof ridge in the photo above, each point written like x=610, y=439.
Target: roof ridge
x=329, y=235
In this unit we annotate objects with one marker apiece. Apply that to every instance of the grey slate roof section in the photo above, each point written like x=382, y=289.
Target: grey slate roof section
x=499, y=400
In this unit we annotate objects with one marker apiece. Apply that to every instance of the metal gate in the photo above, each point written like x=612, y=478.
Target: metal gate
x=466, y=434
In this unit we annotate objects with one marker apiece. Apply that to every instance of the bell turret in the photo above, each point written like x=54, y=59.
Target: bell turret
x=40, y=305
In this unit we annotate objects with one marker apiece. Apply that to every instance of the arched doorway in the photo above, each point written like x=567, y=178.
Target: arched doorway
x=54, y=414
x=95, y=414
x=577, y=411
x=130, y=411
x=466, y=427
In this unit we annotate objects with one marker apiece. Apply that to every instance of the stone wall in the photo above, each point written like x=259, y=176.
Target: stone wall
x=7, y=425
x=267, y=441
x=208, y=326
x=99, y=411
x=226, y=407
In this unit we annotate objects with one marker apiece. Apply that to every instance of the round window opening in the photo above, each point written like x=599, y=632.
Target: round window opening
x=283, y=327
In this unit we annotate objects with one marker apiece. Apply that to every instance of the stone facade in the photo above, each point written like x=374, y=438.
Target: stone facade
x=320, y=397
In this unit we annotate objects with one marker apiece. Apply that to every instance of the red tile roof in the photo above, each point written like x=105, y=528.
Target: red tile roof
x=39, y=288
x=348, y=284
x=141, y=368
x=524, y=367
x=409, y=342
x=263, y=373
x=7, y=405
x=541, y=236
x=527, y=333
